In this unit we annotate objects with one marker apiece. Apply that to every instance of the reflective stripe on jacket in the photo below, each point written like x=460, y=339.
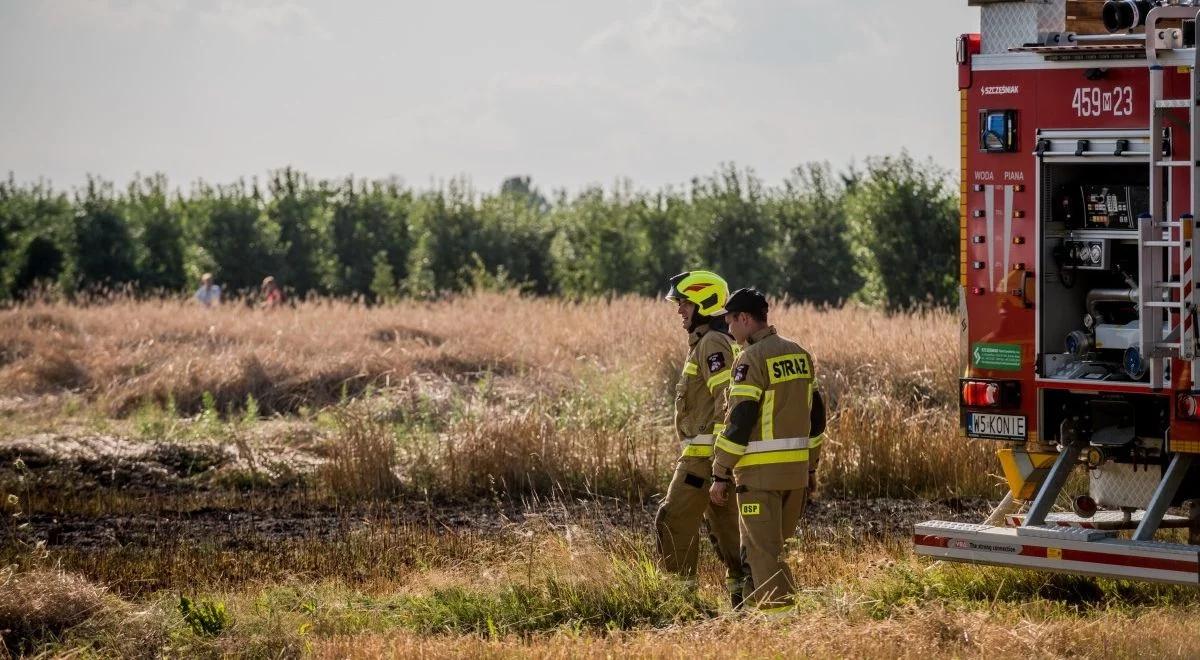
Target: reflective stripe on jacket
x=700, y=392
x=778, y=374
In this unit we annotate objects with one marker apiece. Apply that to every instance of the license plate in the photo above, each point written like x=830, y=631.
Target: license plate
x=1003, y=427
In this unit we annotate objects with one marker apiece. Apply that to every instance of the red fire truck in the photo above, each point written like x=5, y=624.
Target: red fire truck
x=1079, y=184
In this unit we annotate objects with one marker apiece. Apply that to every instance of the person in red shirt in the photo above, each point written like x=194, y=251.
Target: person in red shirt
x=272, y=295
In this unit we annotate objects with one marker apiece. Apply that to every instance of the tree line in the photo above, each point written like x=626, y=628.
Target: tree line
x=884, y=233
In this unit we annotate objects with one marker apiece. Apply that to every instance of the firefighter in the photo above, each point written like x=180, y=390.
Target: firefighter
x=699, y=410
x=764, y=448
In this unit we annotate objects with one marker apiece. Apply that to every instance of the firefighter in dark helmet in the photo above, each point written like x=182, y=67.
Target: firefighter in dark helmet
x=765, y=449
x=699, y=411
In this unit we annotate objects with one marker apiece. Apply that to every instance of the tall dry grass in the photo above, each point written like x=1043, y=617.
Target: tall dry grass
x=46, y=606
x=363, y=465
x=540, y=391
x=126, y=352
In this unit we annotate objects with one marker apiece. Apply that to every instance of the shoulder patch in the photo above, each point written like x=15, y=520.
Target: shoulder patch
x=716, y=362
x=739, y=374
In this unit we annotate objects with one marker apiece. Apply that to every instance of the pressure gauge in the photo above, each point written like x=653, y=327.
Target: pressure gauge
x=1091, y=254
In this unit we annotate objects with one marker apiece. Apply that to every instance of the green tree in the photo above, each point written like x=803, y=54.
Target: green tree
x=383, y=280
x=522, y=188
x=156, y=224
x=368, y=219
x=301, y=212
x=10, y=225
x=663, y=216
x=814, y=249
x=903, y=219
x=514, y=235
x=100, y=252
x=444, y=225
x=601, y=245
x=729, y=231
x=885, y=235
x=36, y=224
x=232, y=237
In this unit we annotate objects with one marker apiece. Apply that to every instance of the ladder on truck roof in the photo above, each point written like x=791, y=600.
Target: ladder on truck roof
x=1168, y=303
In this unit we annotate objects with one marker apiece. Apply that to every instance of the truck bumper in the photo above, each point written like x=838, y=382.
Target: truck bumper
x=1062, y=549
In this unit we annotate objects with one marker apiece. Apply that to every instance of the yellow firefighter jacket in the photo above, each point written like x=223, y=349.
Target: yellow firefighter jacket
x=700, y=392
x=777, y=374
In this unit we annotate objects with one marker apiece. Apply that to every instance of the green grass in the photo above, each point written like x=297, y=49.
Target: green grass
x=619, y=591
x=273, y=620
x=637, y=595
x=974, y=587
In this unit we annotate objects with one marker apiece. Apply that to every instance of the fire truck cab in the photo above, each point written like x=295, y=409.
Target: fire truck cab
x=1079, y=197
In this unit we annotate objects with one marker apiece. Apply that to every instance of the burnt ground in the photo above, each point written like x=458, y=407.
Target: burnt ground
x=244, y=528
x=103, y=492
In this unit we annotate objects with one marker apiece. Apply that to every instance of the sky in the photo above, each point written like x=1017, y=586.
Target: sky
x=571, y=93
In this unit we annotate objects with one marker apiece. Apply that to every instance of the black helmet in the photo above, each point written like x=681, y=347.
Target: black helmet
x=748, y=300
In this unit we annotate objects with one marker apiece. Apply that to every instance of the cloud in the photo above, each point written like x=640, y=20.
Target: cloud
x=252, y=19
x=257, y=19
x=118, y=14
x=668, y=26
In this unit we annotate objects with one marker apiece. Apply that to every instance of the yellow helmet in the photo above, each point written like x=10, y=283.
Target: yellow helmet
x=703, y=288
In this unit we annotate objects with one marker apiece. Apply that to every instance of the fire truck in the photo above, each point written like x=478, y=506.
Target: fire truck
x=1079, y=195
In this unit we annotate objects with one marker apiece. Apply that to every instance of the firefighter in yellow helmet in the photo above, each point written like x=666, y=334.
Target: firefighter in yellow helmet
x=765, y=447
x=699, y=411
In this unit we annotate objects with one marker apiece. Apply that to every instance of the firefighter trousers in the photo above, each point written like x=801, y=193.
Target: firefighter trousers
x=677, y=526
x=767, y=519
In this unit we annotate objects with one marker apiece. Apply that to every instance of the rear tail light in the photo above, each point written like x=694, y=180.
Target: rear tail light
x=990, y=393
x=1187, y=406
x=981, y=394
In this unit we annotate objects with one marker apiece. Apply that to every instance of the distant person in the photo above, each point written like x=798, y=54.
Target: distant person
x=272, y=295
x=209, y=294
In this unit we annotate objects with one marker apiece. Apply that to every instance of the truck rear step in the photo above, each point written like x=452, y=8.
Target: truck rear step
x=1101, y=520
x=1063, y=549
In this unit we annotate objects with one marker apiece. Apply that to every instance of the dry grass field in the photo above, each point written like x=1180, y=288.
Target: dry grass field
x=476, y=477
